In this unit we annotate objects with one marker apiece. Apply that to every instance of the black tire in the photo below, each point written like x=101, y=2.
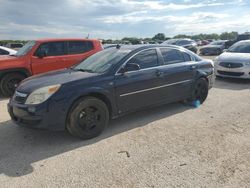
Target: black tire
x=200, y=91
x=88, y=118
x=9, y=83
x=218, y=52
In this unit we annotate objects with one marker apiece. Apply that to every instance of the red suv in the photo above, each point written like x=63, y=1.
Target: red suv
x=41, y=56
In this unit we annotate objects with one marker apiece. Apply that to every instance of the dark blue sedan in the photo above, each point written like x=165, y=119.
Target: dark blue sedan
x=109, y=84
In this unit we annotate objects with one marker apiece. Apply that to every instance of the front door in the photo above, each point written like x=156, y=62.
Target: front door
x=136, y=89
x=53, y=60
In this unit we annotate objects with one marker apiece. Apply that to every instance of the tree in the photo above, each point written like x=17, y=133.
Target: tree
x=229, y=35
x=159, y=36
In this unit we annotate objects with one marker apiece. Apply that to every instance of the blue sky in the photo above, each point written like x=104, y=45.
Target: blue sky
x=31, y=19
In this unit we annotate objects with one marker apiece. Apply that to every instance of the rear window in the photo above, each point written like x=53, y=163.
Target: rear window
x=78, y=47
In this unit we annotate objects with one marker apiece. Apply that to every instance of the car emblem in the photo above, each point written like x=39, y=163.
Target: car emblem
x=229, y=65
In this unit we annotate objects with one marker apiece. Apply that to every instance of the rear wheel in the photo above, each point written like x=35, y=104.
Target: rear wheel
x=88, y=118
x=200, y=91
x=218, y=52
x=9, y=83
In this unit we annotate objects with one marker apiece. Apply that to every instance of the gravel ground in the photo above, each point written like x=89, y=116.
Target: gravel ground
x=169, y=146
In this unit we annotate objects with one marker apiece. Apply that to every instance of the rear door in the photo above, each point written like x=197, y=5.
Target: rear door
x=136, y=89
x=54, y=59
x=177, y=74
x=77, y=51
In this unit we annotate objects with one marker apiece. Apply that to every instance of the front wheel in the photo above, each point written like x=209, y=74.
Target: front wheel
x=9, y=83
x=200, y=90
x=88, y=118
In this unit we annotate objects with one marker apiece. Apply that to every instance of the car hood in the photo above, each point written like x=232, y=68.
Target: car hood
x=234, y=57
x=4, y=58
x=211, y=46
x=52, y=78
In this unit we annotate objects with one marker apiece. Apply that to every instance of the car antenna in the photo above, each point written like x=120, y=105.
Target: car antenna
x=118, y=46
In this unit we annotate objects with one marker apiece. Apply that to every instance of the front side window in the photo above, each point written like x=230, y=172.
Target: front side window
x=172, y=56
x=78, y=47
x=52, y=49
x=145, y=59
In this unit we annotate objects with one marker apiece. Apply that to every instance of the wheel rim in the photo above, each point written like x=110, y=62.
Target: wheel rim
x=12, y=85
x=89, y=118
x=200, y=92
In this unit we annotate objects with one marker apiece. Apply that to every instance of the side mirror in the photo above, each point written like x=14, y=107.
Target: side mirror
x=41, y=54
x=130, y=67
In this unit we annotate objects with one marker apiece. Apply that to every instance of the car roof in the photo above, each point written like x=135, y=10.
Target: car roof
x=64, y=39
x=242, y=41
x=147, y=46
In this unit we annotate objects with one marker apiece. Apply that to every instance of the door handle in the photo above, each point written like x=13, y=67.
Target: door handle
x=159, y=73
x=192, y=67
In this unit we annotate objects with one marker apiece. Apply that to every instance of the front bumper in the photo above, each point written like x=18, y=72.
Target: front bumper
x=211, y=79
x=242, y=72
x=48, y=115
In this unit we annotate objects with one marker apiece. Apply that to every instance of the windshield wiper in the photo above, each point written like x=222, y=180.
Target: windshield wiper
x=84, y=70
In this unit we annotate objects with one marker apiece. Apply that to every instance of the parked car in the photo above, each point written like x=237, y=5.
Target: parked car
x=214, y=48
x=204, y=42
x=6, y=51
x=14, y=46
x=109, y=84
x=235, y=62
x=41, y=56
x=186, y=43
x=106, y=46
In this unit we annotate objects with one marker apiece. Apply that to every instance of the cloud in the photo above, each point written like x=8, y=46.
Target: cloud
x=118, y=18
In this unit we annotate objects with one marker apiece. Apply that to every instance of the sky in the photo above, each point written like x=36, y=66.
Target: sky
x=115, y=19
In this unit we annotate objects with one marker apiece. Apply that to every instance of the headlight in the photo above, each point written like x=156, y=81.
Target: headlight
x=248, y=63
x=42, y=94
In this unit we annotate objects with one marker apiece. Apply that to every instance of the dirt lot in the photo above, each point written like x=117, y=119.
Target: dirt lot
x=170, y=146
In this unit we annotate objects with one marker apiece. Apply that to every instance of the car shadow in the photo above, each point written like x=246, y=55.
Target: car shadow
x=2, y=98
x=20, y=147
x=232, y=83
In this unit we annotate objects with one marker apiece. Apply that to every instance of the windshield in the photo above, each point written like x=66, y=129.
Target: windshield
x=240, y=47
x=217, y=43
x=170, y=41
x=25, y=49
x=102, y=61
x=185, y=42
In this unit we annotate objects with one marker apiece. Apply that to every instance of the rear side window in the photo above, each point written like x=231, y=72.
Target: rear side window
x=171, y=56
x=145, y=59
x=52, y=49
x=186, y=56
x=78, y=47
x=3, y=52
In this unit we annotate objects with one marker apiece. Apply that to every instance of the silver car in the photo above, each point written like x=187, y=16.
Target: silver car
x=235, y=62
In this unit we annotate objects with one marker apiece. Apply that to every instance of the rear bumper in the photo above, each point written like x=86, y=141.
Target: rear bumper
x=45, y=116
x=243, y=72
